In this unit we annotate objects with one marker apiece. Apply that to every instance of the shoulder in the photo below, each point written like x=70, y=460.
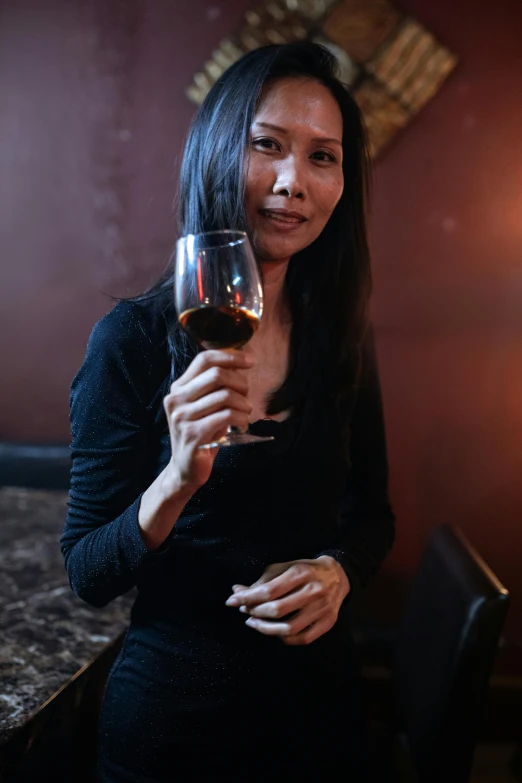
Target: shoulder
x=131, y=325
x=129, y=346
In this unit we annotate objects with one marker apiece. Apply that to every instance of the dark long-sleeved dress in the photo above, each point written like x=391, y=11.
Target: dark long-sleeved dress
x=195, y=694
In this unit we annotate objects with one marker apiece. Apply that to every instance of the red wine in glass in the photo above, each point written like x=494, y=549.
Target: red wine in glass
x=220, y=327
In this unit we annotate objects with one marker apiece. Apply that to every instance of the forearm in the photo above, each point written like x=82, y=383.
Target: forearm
x=366, y=517
x=105, y=560
x=160, y=508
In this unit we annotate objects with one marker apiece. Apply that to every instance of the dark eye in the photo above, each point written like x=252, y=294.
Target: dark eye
x=266, y=144
x=324, y=156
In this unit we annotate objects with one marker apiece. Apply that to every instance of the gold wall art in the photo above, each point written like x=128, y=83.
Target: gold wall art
x=392, y=64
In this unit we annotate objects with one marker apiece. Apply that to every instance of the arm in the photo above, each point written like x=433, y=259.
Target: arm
x=121, y=515
x=102, y=544
x=368, y=520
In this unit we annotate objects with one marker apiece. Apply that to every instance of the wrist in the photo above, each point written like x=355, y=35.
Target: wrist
x=172, y=489
x=344, y=582
x=160, y=507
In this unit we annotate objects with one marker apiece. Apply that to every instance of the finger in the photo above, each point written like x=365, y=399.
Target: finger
x=297, y=575
x=295, y=602
x=211, y=428
x=271, y=571
x=289, y=627
x=310, y=634
x=205, y=360
x=276, y=569
x=210, y=381
x=184, y=418
x=223, y=398
x=268, y=628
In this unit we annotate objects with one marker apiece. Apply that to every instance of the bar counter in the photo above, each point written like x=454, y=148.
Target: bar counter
x=54, y=648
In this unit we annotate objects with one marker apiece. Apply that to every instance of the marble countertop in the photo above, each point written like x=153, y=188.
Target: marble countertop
x=47, y=633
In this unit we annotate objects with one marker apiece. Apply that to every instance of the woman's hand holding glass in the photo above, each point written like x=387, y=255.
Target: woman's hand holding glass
x=209, y=397
x=201, y=405
x=298, y=601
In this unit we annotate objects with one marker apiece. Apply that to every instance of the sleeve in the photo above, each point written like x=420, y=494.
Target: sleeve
x=367, y=519
x=101, y=543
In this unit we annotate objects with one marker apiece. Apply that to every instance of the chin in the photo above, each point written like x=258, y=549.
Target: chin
x=277, y=252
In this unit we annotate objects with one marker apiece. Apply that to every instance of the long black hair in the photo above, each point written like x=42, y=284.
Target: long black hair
x=328, y=283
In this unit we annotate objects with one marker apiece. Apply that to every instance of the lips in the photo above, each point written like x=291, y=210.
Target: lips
x=283, y=216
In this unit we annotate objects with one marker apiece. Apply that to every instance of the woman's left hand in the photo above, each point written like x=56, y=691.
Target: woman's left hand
x=311, y=591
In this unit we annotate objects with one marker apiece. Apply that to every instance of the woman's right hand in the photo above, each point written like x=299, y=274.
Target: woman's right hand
x=210, y=396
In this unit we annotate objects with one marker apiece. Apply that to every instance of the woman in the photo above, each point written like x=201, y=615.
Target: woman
x=238, y=664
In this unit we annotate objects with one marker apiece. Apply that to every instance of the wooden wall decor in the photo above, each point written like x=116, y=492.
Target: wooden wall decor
x=392, y=64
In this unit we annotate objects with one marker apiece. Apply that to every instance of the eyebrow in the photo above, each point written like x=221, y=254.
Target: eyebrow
x=284, y=130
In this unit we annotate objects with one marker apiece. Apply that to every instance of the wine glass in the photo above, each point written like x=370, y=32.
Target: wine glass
x=219, y=299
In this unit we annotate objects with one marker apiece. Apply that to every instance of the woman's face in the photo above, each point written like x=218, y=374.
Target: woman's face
x=294, y=177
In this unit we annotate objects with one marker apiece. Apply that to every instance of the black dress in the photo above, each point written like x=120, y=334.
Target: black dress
x=195, y=694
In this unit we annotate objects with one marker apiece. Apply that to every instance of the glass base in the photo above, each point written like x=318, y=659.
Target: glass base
x=237, y=439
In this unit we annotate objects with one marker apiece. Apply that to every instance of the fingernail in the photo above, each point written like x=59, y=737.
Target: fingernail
x=251, y=622
x=243, y=609
x=231, y=601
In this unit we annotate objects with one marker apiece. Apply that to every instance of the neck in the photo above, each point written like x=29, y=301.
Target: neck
x=275, y=308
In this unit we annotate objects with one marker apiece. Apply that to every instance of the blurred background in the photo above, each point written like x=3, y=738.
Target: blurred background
x=93, y=117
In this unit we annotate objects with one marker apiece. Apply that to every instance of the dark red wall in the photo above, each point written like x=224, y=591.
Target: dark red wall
x=92, y=122
x=447, y=241
x=93, y=115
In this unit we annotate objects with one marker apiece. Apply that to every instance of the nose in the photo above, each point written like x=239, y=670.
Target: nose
x=289, y=179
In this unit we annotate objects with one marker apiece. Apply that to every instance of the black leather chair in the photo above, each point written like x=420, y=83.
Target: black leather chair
x=444, y=656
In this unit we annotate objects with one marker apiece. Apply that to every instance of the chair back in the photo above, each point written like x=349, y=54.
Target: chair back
x=446, y=648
